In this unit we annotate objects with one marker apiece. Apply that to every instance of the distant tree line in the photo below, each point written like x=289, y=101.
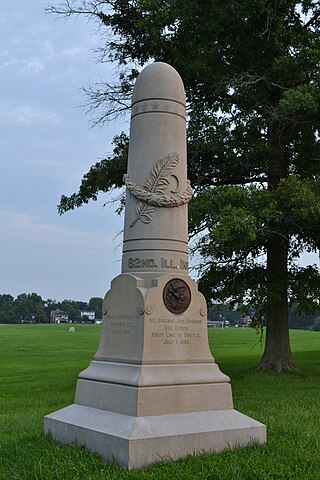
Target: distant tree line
x=297, y=319
x=31, y=308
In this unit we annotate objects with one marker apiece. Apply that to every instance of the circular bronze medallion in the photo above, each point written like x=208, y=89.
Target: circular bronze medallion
x=176, y=296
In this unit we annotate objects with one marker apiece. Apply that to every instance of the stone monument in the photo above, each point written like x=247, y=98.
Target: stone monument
x=153, y=390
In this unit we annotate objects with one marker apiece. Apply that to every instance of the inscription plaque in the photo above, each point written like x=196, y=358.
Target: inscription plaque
x=176, y=296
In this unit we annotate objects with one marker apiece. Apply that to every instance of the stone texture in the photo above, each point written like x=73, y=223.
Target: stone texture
x=153, y=390
x=135, y=442
x=139, y=328
x=157, y=400
x=158, y=129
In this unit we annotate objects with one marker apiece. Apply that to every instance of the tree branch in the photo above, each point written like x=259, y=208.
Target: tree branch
x=312, y=20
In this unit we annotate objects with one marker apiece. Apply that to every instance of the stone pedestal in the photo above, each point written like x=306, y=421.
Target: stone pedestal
x=153, y=390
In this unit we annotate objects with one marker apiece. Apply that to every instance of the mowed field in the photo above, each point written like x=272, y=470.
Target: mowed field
x=39, y=365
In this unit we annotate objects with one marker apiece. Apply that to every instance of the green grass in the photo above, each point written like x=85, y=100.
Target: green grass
x=39, y=367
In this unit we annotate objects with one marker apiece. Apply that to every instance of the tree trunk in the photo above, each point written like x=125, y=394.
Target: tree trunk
x=277, y=354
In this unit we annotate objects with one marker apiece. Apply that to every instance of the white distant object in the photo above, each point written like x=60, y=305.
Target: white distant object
x=215, y=324
x=72, y=329
x=90, y=314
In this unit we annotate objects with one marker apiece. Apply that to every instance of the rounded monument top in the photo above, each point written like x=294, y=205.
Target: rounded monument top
x=159, y=81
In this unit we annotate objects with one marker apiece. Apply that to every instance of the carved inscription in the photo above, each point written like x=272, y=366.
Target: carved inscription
x=140, y=262
x=171, y=331
x=166, y=263
x=159, y=106
x=121, y=324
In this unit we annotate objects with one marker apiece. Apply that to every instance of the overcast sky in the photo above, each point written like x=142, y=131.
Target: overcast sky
x=45, y=147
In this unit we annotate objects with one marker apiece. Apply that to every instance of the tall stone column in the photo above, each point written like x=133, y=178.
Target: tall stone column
x=156, y=219
x=153, y=390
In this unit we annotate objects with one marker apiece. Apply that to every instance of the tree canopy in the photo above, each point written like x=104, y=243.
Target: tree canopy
x=252, y=78
x=31, y=308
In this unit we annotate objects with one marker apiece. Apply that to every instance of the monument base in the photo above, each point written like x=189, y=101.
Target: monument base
x=136, y=442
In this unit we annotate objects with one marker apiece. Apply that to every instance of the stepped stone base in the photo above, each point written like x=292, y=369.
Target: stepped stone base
x=135, y=442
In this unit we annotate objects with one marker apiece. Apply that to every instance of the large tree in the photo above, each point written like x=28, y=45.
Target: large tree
x=251, y=69
x=29, y=307
x=95, y=303
x=7, y=308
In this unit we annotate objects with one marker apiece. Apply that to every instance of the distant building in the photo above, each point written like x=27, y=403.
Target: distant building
x=90, y=314
x=58, y=316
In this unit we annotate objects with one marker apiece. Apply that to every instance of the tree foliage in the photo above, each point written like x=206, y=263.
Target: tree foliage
x=103, y=176
x=95, y=303
x=7, y=310
x=31, y=308
x=252, y=79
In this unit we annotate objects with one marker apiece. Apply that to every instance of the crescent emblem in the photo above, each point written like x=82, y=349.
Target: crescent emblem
x=177, y=189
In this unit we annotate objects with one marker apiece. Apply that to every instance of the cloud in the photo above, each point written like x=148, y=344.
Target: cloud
x=28, y=115
x=24, y=66
x=45, y=148
x=31, y=66
x=52, y=260
x=74, y=51
x=25, y=228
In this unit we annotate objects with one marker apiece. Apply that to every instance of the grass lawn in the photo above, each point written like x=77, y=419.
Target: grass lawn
x=39, y=367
